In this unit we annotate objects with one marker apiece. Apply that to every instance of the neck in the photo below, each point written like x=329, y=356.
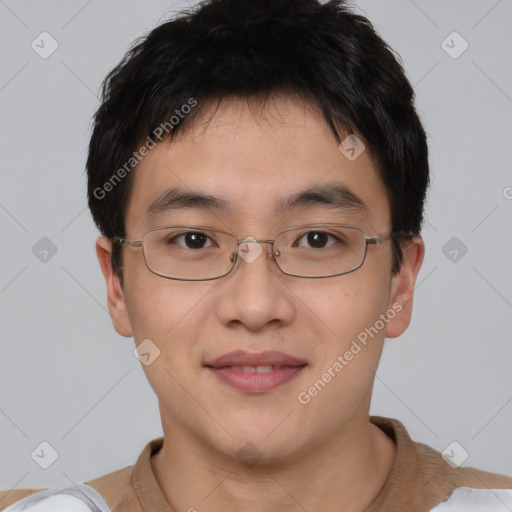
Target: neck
x=345, y=473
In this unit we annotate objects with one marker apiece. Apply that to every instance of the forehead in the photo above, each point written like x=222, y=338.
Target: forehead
x=254, y=160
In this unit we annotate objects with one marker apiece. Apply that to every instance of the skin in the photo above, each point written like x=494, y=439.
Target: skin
x=252, y=157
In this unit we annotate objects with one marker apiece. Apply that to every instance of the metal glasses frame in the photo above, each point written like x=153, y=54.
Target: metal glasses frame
x=369, y=240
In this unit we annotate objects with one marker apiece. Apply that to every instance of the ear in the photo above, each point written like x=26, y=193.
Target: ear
x=116, y=303
x=402, y=287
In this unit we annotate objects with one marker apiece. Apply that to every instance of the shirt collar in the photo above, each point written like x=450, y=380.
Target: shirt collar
x=153, y=499
x=146, y=485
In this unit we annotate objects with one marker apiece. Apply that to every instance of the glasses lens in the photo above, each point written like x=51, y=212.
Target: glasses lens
x=183, y=252
x=320, y=251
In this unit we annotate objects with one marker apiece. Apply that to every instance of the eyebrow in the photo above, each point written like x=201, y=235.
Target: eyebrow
x=334, y=196
x=176, y=199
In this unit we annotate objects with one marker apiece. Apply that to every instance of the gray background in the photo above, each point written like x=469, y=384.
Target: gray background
x=68, y=379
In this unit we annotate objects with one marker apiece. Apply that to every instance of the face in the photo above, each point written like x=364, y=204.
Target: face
x=330, y=331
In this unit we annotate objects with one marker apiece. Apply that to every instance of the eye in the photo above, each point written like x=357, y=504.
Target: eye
x=316, y=239
x=190, y=240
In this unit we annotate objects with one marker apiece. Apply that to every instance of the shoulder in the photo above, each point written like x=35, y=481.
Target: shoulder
x=422, y=478
x=109, y=492
x=462, y=489
x=422, y=465
x=65, y=498
x=117, y=488
x=464, y=499
x=11, y=496
x=117, y=491
x=433, y=465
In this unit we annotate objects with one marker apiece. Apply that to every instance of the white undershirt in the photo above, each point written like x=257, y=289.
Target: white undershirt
x=86, y=499
x=464, y=499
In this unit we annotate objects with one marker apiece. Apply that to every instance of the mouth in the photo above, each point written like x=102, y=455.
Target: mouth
x=256, y=373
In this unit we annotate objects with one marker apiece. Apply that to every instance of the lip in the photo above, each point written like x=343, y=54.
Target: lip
x=227, y=369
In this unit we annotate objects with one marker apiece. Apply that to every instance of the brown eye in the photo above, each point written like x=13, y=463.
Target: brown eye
x=190, y=240
x=315, y=239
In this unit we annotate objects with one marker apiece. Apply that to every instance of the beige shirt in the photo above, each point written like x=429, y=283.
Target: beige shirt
x=419, y=480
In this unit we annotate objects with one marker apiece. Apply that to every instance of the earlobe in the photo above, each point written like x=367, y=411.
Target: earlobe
x=403, y=287
x=115, y=295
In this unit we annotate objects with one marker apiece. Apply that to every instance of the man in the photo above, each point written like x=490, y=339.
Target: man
x=258, y=173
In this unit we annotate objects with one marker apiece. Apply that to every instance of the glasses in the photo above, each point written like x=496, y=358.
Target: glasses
x=195, y=253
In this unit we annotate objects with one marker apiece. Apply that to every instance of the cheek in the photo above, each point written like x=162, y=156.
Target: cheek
x=168, y=313
x=348, y=354
x=351, y=303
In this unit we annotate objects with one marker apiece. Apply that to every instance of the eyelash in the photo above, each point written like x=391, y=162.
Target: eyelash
x=173, y=238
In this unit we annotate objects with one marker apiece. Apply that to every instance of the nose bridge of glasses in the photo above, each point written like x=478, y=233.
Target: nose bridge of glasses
x=244, y=250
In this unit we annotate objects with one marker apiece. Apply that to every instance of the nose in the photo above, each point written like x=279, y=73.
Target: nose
x=253, y=294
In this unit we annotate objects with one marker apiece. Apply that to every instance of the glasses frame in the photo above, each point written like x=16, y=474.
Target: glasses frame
x=369, y=240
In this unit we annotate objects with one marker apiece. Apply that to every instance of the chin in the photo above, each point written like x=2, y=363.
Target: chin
x=260, y=441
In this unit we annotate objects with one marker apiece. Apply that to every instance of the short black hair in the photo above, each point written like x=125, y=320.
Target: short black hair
x=324, y=53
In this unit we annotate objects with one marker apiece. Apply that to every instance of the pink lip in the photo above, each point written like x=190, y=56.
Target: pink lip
x=269, y=358
x=288, y=367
